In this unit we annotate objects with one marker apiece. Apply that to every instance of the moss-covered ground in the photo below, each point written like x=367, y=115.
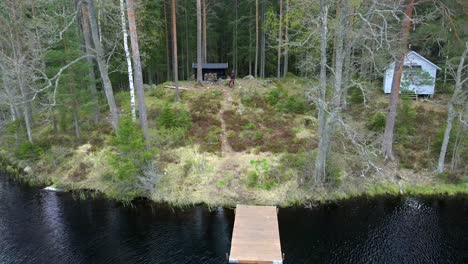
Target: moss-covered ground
x=253, y=144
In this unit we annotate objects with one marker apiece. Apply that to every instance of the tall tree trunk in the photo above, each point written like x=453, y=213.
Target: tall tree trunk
x=27, y=113
x=127, y=57
x=89, y=51
x=234, y=39
x=460, y=140
x=387, y=143
x=187, y=51
x=99, y=51
x=250, y=40
x=263, y=45
x=347, y=60
x=205, y=55
x=166, y=35
x=138, y=71
x=321, y=160
x=286, y=40
x=280, y=40
x=199, y=44
x=175, y=67
x=329, y=121
x=18, y=67
x=11, y=95
x=450, y=111
x=256, y=39
x=74, y=100
x=75, y=108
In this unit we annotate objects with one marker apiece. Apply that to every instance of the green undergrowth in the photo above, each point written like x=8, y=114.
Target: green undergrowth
x=271, y=129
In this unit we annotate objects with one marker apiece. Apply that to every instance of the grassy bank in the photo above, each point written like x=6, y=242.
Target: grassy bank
x=254, y=144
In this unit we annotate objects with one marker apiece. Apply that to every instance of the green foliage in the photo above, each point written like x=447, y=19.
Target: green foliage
x=437, y=145
x=169, y=137
x=281, y=101
x=451, y=178
x=208, y=102
x=275, y=95
x=355, y=96
x=175, y=116
x=334, y=173
x=297, y=105
x=406, y=120
x=377, y=122
x=129, y=159
x=415, y=76
x=261, y=176
x=252, y=99
x=28, y=151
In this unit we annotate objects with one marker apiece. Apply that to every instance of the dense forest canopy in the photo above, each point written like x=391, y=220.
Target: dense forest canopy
x=73, y=66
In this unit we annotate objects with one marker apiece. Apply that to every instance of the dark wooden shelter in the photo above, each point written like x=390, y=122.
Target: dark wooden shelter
x=218, y=69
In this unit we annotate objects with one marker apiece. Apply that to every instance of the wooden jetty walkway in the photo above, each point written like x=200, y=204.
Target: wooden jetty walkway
x=255, y=238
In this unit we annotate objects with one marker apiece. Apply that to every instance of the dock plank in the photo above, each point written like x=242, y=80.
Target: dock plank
x=255, y=238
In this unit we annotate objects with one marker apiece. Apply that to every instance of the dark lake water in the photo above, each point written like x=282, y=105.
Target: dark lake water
x=43, y=227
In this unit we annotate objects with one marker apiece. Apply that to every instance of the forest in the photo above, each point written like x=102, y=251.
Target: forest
x=111, y=96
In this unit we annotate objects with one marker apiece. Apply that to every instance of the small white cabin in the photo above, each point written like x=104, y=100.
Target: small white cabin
x=419, y=75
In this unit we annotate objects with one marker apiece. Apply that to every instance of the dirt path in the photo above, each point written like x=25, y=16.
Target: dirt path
x=225, y=147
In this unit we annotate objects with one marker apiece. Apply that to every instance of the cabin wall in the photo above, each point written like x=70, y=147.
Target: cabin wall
x=412, y=59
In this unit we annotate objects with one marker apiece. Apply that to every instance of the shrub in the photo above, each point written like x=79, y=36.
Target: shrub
x=292, y=105
x=355, y=96
x=129, y=159
x=207, y=103
x=175, y=116
x=377, y=122
x=28, y=151
x=275, y=95
x=334, y=173
x=282, y=102
x=253, y=99
x=260, y=176
x=405, y=123
x=450, y=177
x=168, y=137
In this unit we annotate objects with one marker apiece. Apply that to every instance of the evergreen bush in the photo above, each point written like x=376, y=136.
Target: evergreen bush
x=129, y=159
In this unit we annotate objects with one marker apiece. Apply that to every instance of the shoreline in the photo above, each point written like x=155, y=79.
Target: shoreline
x=325, y=196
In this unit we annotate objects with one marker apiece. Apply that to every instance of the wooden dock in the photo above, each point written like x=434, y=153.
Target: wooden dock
x=255, y=238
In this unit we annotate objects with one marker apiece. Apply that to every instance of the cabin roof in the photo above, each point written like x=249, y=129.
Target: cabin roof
x=419, y=56
x=211, y=65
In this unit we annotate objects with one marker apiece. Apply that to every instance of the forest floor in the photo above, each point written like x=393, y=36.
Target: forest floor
x=251, y=144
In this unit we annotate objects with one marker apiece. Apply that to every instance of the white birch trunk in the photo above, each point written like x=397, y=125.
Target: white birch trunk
x=129, y=60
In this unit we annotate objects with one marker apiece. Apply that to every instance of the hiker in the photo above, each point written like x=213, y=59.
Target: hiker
x=233, y=79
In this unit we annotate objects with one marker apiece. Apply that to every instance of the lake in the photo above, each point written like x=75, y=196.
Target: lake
x=37, y=226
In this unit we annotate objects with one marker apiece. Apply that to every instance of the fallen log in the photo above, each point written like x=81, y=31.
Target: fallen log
x=173, y=87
